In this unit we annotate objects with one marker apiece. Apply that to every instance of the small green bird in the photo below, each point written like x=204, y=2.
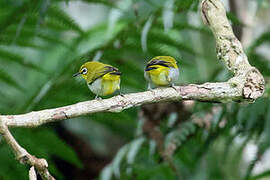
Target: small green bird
x=102, y=79
x=161, y=71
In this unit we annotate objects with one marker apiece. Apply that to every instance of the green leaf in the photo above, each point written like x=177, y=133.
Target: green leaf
x=146, y=29
x=262, y=175
x=9, y=164
x=106, y=173
x=6, y=55
x=134, y=148
x=9, y=80
x=263, y=38
x=116, y=164
x=168, y=14
x=234, y=19
x=57, y=14
x=44, y=143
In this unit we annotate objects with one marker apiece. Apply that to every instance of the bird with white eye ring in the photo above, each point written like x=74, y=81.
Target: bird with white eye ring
x=84, y=70
x=102, y=79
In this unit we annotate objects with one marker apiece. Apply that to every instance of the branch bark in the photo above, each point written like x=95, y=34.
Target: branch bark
x=23, y=156
x=212, y=92
x=229, y=49
x=217, y=92
x=32, y=174
x=246, y=85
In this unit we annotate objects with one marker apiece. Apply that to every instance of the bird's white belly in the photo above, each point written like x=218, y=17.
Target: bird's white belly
x=96, y=86
x=162, y=78
x=174, y=74
x=103, y=88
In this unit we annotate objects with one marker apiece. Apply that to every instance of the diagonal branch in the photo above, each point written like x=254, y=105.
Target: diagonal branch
x=23, y=156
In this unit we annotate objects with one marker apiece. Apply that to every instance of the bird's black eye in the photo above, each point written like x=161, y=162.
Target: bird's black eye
x=84, y=71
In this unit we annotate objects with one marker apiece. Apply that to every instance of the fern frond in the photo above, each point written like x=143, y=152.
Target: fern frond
x=9, y=80
x=59, y=16
x=6, y=55
x=179, y=136
x=263, y=38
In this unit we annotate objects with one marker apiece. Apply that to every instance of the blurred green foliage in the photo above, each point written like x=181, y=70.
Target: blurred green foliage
x=42, y=45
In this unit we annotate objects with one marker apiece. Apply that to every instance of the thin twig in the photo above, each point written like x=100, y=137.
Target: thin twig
x=32, y=174
x=23, y=156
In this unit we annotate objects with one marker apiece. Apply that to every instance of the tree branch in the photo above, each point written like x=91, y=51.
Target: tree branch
x=230, y=51
x=246, y=85
x=32, y=174
x=23, y=156
x=213, y=92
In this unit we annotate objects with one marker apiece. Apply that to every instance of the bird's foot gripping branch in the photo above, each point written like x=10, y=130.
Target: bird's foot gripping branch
x=246, y=85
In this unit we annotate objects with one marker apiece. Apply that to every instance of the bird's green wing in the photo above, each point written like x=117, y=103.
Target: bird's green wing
x=104, y=70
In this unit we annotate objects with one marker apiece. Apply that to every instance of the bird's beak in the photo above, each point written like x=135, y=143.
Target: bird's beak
x=76, y=74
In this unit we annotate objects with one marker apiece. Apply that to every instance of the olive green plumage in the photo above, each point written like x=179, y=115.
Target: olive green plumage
x=161, y=71
x=102, y=79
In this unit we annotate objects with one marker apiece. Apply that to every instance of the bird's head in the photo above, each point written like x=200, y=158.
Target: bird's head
x=84, y=71
x=90, y=70
x=170, y=60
